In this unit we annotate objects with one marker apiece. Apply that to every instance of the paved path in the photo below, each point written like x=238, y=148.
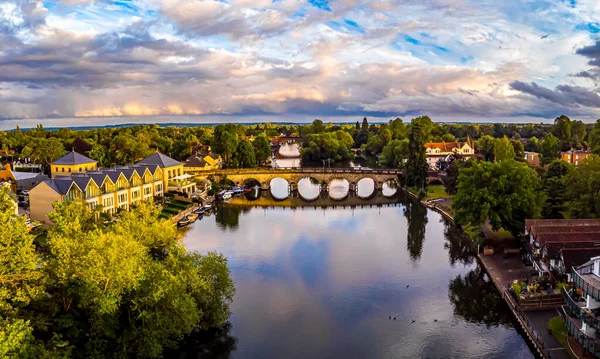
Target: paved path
x=538, y=320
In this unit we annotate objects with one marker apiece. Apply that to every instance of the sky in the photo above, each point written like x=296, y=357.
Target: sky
x=94, y=62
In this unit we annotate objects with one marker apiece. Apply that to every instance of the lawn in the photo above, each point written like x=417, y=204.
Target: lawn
x=433, y=191
x=559, y=331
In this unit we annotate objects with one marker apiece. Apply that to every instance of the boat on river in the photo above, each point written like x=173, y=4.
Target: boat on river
x=192, y=217
x=183, y=222
x=199, y=211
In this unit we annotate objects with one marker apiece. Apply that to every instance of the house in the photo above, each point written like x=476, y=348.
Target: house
x=439, y=152
x=575, y=157
x=111, y=188
x=174, y=177
x=569, y=258
x=20, y=181
x=72, y=162
x=547, y=237
x=581, y=312
x=199, y=162
x=532, y=158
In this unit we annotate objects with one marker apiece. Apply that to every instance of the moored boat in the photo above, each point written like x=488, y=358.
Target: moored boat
x=199, y=211
x=183, y=222
x=192, y=217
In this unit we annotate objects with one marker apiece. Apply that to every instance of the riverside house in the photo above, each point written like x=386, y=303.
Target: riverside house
x=547, y=237
x=442, y=152
x=575, y=157
x=111, y=188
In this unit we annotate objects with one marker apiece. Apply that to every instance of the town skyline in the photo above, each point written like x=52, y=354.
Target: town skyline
x=80, y=63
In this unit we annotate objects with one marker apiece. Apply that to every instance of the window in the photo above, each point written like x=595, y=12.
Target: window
x=108, y=202
x=122, y=198
x=62, y=169
x=147, y=191
x=69, y=169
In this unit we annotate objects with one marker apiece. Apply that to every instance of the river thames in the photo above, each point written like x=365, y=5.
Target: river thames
x=387, y=282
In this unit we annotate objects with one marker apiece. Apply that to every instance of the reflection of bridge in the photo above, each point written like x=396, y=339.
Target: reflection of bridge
x=294, y=175
x=277, y=141
x=296, y=201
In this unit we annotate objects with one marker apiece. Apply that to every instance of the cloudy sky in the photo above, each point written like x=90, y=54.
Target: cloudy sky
x=101, y=61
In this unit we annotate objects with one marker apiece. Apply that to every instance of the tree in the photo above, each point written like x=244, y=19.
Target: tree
x=583, y=189
x=503, y=150
x=244, y=155
x=394, y=153
x=262, y=149
x=578, y=133
x=47, y=150
x=357, y=127
x=594, y=138
x=180, y=150
x=487, y=145
x=365, y=124
x=533, y=145
x=318, y=126
x=550, y=149
x=416, y=165
x=451, y=178
x=374, y=144
x=225, y=141
x=562, y=130
x=504, y=193
x=519, y=150
x=398, y=129
x=555, y=190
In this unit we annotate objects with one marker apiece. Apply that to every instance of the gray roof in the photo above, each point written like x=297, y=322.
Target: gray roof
x=160, y=160
x=20, y=176
x=194, y=161
x=73, y=158
x=60, y=185
x=113, y=174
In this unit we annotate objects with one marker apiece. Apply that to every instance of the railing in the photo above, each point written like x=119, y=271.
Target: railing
x=588, y=343
x=587, y=287
x=180, y=183
x=527, y=325
x=391, y=171
x=579, y=312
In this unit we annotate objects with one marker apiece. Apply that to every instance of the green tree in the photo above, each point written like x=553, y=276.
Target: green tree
x=318, y=126
x=550, y=149
x=533, y=145
x=555, y=189
x=244, y=155
x=394, y=153
x=262, y=149
x=374, y=144
x=578, y=133
x=504, y=193
x=503, y=150
x=519, y=150
x=47, y=150
x=487, y=146
x=594, y=138
x=225, y=141
x=398, y=129
x=452, y=172
x=365, y=124
x=416, y=164
x=583, y=189
x=562, y=130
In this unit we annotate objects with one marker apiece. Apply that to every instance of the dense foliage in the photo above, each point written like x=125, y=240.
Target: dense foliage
x=127, y=289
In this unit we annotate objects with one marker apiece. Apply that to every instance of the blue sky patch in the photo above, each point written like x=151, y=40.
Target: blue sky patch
x=321, y=4
x=591, y=27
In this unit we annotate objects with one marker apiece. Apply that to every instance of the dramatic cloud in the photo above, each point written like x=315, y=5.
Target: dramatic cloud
x=453, y=59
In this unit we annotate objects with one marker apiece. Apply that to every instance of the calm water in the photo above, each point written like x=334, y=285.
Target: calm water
x=322, y=283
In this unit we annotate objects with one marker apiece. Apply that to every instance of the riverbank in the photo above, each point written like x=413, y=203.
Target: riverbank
x=502, y=271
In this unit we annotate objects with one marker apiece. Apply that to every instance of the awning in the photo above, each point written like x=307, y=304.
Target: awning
x=183, y=176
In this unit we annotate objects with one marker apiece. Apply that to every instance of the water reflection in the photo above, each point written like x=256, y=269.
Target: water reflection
x=322, y=283
x=460, y=249
x=339, y=188
x=476, y=299
x=229, y=218
x=280, y=188
x=213, y=343
x=389, y=188
x=416, y=215
x=365, y=188
x=309, y=188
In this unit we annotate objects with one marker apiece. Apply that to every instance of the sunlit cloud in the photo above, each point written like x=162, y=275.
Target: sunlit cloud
x=444, y=58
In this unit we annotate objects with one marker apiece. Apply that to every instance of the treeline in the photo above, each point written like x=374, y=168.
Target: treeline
x=88, y=290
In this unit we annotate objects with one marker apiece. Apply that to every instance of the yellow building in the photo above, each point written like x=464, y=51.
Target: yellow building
x=72, y=162
x=20, y=181
x=112, y=189
x=198, y=162
x=174, y=177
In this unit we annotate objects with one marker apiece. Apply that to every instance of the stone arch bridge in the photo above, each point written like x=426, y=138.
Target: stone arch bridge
x=294, y=175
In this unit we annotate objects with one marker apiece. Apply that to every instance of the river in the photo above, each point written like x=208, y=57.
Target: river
x=387, y=282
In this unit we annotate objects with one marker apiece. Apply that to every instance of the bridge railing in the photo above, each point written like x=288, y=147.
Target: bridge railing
x=304, y=170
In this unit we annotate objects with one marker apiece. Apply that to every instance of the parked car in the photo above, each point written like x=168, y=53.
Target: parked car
x=24, y=204
x=25, y=193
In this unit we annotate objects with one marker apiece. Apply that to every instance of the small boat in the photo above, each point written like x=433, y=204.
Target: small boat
x=238, y=190
x=199, y=211
x=207, y=207
x=183, y=222
x=247, y=189
x=192, y=217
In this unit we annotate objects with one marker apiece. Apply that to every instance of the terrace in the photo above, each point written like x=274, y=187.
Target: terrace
x=584, y=278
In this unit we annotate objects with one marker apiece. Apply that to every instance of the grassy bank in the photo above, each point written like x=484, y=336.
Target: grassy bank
x=433, y=191
x=559, y=331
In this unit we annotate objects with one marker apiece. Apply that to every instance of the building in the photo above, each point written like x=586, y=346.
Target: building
x=200, y=162
x=581, y=314
x=72, y=162
x=574, y=257
x=532, y=158
x=575, y=157
x=548, y=237
x=20, y=181
x=440, y=152
x=174, y=177
x=111, y=188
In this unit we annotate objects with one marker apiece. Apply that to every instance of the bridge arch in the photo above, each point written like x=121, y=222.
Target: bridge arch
x=309, y=188
x=390, y=188
x=280, y=188
x=338, y=188
x=366, y=188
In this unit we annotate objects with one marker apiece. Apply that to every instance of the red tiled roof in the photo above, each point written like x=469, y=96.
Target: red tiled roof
x=445, y=146
x=574, y=257
x=529, y=223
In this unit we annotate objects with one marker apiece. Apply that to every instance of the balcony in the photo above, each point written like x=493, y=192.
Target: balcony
x=584, y=278
x=180, y=185
x=579, y=309
x=590, y=343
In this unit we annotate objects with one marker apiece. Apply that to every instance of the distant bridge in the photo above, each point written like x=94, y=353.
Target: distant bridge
x=264, y=176
x=277, y=141
x=293, y=175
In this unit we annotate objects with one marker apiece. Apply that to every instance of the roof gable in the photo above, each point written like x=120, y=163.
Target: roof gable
x=160, y=160
x=73, y=158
